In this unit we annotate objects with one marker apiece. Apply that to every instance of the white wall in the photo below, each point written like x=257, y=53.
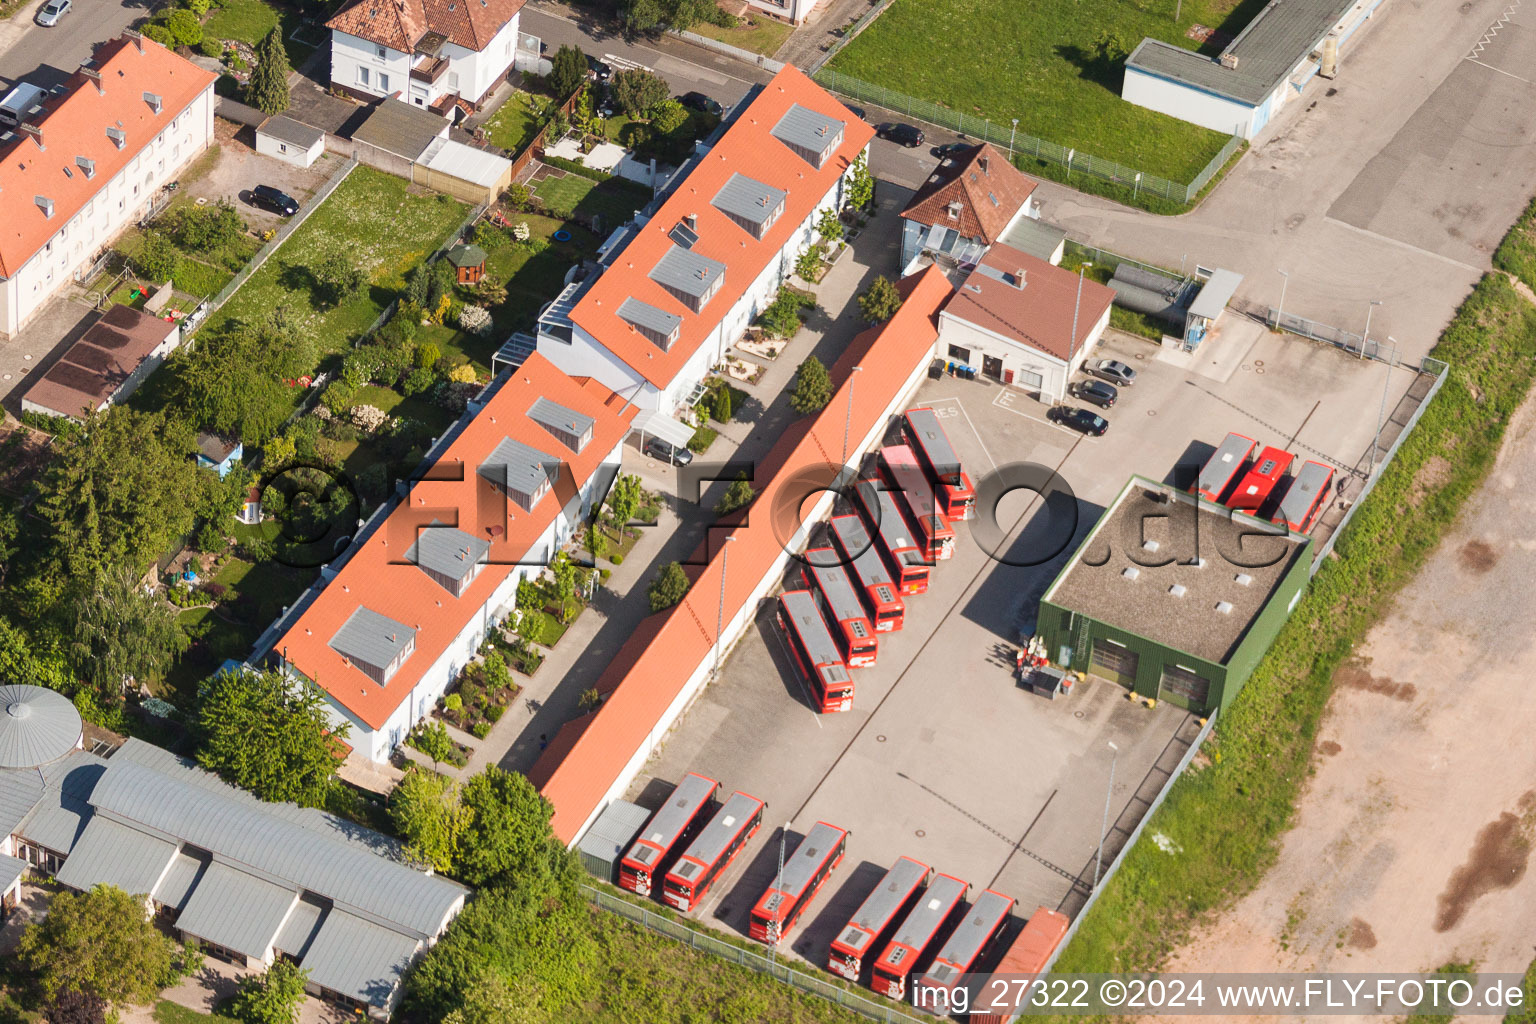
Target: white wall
x=287, y=152
x=585, y=356
x=350, y=55
x=119, y=202
x=1016, y=357
x=479, y=71
x=471, y=73
x=1187, y=103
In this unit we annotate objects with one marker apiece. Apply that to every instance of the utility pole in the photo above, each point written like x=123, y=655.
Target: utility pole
x=1072, y=341
x=1280, y=312
x=725, y=565
x=848, y=416
x=1011, y=135
x=1109, y=790
x=1381, y=413
x=774, y=935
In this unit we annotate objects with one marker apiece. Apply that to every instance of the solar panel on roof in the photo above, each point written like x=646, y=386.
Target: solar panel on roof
x=683, y=235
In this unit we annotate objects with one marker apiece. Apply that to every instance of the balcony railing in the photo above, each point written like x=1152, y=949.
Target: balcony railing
x=429, y=69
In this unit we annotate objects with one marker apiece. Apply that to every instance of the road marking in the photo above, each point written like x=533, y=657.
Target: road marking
x=961, y=406
x=1501, y=71
x=1403, y=245
x=1493, y=30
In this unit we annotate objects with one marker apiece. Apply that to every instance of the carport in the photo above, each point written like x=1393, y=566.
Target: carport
x=657, y=424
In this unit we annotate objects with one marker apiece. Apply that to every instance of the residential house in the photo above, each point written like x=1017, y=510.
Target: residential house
x=1024, y=322
x=434, y=54
x=219, y=454
x=973, y=200
x=682, y=288
x=397, y=620
x=111, y=359
x=796, y=12
x=91, y=162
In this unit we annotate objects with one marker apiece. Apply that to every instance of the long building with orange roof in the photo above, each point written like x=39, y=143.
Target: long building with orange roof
x=682, y=287
x=395, y=622
x=667, y=661
x=89, y=163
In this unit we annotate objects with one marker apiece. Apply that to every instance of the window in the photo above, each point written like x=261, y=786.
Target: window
x=362, y=76
x=453, y=80
x=282, y=147
x=962, y=354
x=378, y=51
x=383, y=82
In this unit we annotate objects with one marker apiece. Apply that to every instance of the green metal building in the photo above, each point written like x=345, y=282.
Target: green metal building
x=1173, y=596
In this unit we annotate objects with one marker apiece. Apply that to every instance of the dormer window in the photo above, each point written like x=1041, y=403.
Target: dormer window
x=118, y=136
x=87, y=166
x=156, y=103
x=954, y=210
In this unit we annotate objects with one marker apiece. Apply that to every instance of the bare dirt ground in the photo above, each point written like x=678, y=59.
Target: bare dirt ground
x=1411, y=844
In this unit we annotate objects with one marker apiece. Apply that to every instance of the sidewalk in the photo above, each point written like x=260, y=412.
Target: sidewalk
x=805, y=45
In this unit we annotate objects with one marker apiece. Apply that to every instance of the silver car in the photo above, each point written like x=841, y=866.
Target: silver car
x=52, y=11
x=1113, y=371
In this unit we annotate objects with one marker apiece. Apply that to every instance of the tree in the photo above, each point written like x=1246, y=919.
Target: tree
x=880, y=301
x=829, y=226
x=268, y=734
x=668, y=117
x=638, y=90
x=1113, y=46
x=624, y=499
x=25, y=659
x=267, y=90
x=737, y=496
x=509, y=838
x=429, y=814
x=339, y=277
x=812, y=387
x=567, y=71
x=270, y=998
x=432, y=739
x=563, y=573
x=596, y=541
x=642, y=16
x=808, y=263
x=100, y=943
x=118, y=633
x=158, y=257
x=861, y=184
x=74, y=1007
x=209, y=228
x=723, y=407
x=669, y=587
x=184, y=28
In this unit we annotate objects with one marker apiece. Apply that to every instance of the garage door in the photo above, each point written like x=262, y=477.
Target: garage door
x=1114, y=662
x=1182, y=687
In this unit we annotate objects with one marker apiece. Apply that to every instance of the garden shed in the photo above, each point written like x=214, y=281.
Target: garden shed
x=290, y=141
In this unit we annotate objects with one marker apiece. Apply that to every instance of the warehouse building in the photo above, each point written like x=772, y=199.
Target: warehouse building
x=1174, y=597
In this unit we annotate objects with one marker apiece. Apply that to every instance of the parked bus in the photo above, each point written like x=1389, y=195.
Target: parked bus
x=839, y=601
x=1254, y=489
x=876, y=588
x=1027, y=957
x=1222, y=467
x=956, y=496
x=899, y=469
x=801, y=877
x=893, y=537
x=668, y=830
x=1304, y=498
x=815, y=652
x=711, y=853
x=876, y=916
x=941, y=903
x=965, y=947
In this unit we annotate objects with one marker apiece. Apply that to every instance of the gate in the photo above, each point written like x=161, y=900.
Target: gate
x=1183, y=688
x=1114, y=662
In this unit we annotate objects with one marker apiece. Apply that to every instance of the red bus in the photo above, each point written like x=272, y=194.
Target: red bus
x=894, y=538
x=1303, y=500
x=1222, y=467
x=1028, y=955
x=876, y=589
x=965, y=947
x=876, y=916
x=817, y=856
x=711, y=853
x=901, y=472
x=815, y=652
x=855, y=636
x=943, y=901
x=1259, y=482
x=676, y=822
x=956, y=496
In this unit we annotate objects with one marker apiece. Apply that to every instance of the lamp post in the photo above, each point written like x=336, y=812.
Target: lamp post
x=774, y=933
x=725, y=566
x=1072, y=341
x=1280, y=312
x=848, y=416
x=1381, y=413
x=1367, y=337
x=1011, y=135
x=1109, y=790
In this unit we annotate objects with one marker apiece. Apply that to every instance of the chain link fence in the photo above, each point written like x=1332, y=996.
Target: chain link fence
x=1019, y=143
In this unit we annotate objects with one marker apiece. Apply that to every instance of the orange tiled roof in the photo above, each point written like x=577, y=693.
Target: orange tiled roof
x=76, y=126
x=1039, y=314
x=400, y=24
x=378, y=577
x=984, y=189
x=750, y=148
x=587, y=755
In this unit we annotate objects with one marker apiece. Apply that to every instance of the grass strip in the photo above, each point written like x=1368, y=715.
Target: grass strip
x=1517, y=253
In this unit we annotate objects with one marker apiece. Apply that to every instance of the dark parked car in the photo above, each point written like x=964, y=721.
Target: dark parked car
x=656, y=448
x=857, y=112
x=952, y=149
x=698, y=101
x=1080, y=420
x=275, y=200
x=909, y=135
x=1113, y=371
x=1096, y=392
x=600, y=70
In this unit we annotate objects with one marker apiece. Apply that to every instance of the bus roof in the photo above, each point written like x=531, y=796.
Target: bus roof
x=855, y=541
x=989, y=911
x=801, y=867
x=910, y=479
x=673, y=816
x=801, y=608
x=1223, y=464
x=928, y=915
x=881, y=905
x=1303, y=492
x=832, y=580
x=927, y=432
x=893, y=525
x=717, y=835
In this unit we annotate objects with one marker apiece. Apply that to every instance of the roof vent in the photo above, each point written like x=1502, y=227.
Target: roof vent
x=1224, y=607
x=1130, y=572
x=1229, y=61
x=1242, y=579
x=156, y=103
x=1177, y=590
x=45, y=204
x=1150, y=545
x=982, y=163
x=87, y=166
x=1198, y=563
x=118, y=136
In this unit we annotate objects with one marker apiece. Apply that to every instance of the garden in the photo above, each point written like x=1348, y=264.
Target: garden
x=196, y=245
x=755, y=33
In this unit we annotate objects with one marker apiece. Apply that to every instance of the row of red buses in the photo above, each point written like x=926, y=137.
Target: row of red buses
x=712, y=851
x=941, y=903
x=902, y=474
x=1222, y=467
x=799, y=879
x=876, y=916
x=1254, y=489
x=963, y=949
x=873, y=581
x=828, y=581
x=956, y=496
x=886, y=521
x=649, y=857
x=1304, y=499
x=814, y=651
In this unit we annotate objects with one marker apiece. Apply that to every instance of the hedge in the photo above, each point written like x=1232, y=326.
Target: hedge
x=582, y=170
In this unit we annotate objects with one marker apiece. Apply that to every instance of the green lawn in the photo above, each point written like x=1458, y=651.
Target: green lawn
x=615, y=200
x=250, y=20
x=167, y=1012
x=1038, y=61
x=514, y=124
x=759, y=35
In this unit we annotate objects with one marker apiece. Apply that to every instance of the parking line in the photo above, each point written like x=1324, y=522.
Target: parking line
x=968, y=422
x=795, y=668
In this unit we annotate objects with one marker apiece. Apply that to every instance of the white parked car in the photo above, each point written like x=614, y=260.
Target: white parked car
x=52, y=11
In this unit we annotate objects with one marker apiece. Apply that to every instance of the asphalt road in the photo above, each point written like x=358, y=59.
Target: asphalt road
x=46, y=56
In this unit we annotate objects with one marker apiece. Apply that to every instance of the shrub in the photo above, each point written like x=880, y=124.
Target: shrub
x=480, y=730
x=417, y=381
x=338, y=396
x=617, y=559
x=577, y=168
x=812, y=387
x=638, y=90
x=157, y=256
x=475, y=320
x=669, y=586
x=164, y=36
x=184, y=28
x=368, y=417
x=453, y=702
x=427, y=354
x=211, y=48
x=463, y=373
x=494, y=712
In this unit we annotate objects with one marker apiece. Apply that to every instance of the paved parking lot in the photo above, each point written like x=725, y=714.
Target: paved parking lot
x=943, y=758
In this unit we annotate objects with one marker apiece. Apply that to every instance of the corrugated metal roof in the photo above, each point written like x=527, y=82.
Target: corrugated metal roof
x=58, y=817
x=1218, y=291
x=519, y=467
x=184, y=873
x=296, y=934
x=1036, y=237
x=37, y=725
x=559, y=420
x=236, y=910
x=277, y=848
x=614, y=829
x=466, y=162
x=447, y=551
x=804, y=129
x=371, y=638
x=358, y=959
x=747, y=199
x=686, y=271
x=11, y=869
x=20, y=790
x=108, y=853
x=401, y=129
